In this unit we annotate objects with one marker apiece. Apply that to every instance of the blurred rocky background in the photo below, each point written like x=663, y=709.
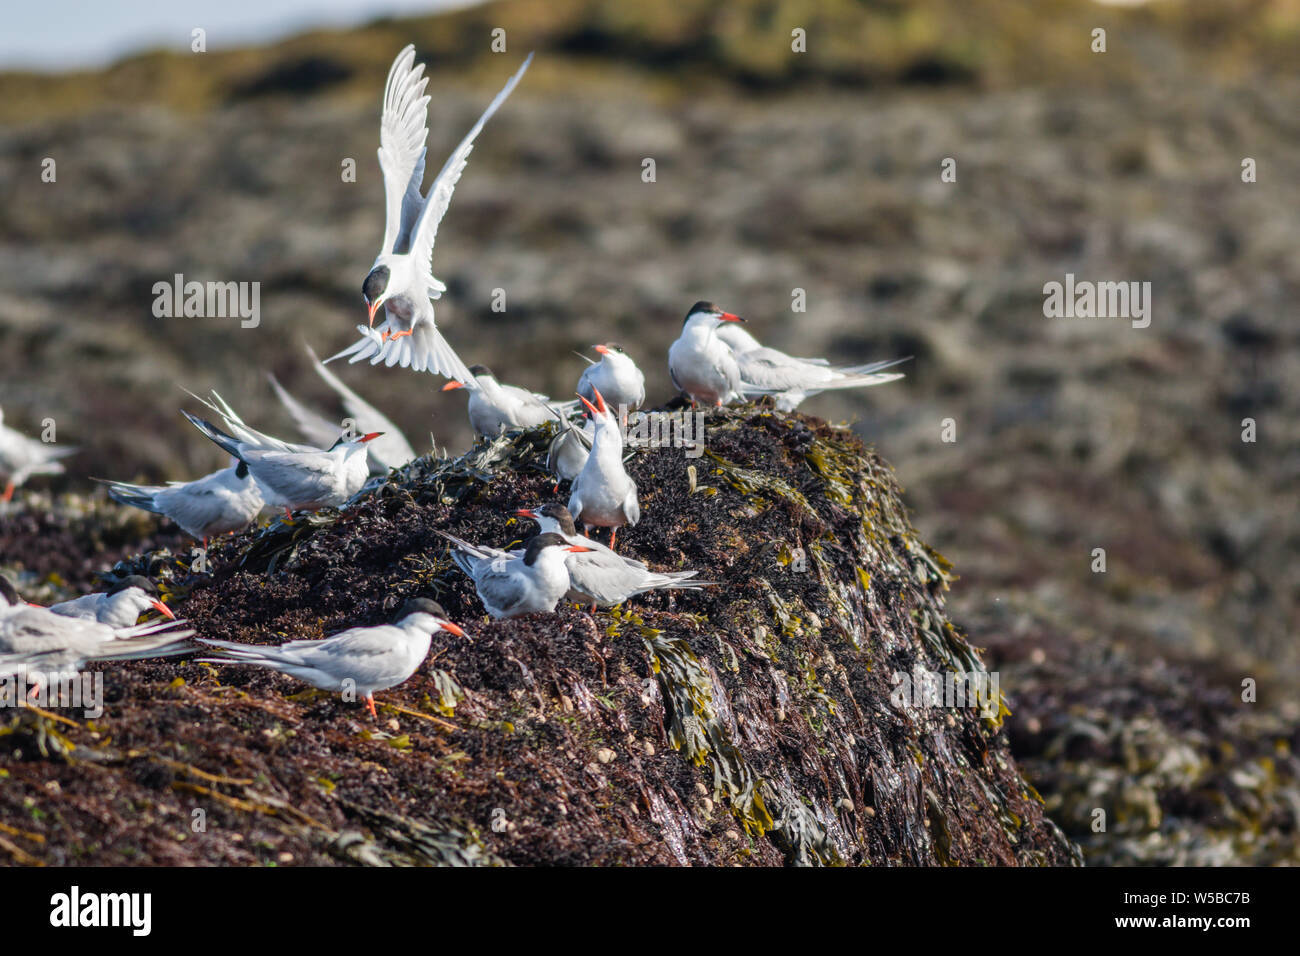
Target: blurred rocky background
x=778, y=171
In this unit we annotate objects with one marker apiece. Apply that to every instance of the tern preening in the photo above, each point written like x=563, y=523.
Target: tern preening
x=599, y=576
x=767, y=371
x=21, y=457
x=700, y=363
x=515, y=583
x=226, y=500
x=119, y=607
x=299, y=480
x=360, y=659
x=617, y=377
x=401, y=279
x=494, y=407
x=390, y=451
x=37, y=640
x=604, y=495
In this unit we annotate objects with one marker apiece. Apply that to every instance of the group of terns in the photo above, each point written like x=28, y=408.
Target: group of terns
x=713, y=362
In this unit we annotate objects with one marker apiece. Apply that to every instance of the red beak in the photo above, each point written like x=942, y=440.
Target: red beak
x=167, y=612
x=371, y=437
x=450, y=385
x=576, y=547
x=524, y=513
x=603, y=350
x=728, y=317
x=374, y=307
x=590, y=407
x=448, y=626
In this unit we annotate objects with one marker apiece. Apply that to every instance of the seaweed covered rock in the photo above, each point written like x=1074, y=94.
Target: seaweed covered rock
x=763, y=720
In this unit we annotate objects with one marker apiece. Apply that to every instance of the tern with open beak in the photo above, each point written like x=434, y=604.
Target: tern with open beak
x=515, y=583
x=700, y=363
x=401, y=280
x=599, y=576
x=360, y=659
x=604, y=495
x=616, y=376
x=118, y=607
x=299, y=480
x=768, y=371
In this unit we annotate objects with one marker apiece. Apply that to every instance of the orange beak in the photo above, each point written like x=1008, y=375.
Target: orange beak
x=374, y=307
x=603, y=350
x=448, y=626
x=371, y=437
x=728, y=317
x=524, y=513
x=599, y=407
x=576, y=547
x=451, y=385
x=166, y=611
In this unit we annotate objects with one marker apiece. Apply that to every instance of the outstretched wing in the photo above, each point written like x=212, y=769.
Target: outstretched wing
x=403, y=130
x=439, y=198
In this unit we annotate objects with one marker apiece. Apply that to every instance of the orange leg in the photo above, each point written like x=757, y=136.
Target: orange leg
x=612, y=533
x=370, y=705
x=287, y=513
x=9, y=492
x=398, y=335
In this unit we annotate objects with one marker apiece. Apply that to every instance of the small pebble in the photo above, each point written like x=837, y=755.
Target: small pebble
x=605, y=755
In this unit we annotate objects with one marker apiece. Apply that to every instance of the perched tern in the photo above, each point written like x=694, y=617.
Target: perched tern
x=494, y=407
x=617, y=377
x=35, y=639
x=604, y=494
x=360, y=659
x=569, y=450
x=599, y=576
x=514, y=583
x=21, y=457
x=299, y=480
x=226, y=500
x=119, y=607
x=700, y=363
x=390, y=451
x=401, y=279
x=790, y=380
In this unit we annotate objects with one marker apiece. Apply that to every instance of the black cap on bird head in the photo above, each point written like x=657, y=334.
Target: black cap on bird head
x=562, y=515
x=375, y=284
x=134, y=581
x=8, y=591
x=707, y=307
x=477, y=370
x=539, y=543
x=421, y=606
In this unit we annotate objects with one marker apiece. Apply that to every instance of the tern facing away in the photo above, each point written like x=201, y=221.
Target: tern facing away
x=600, y=576
x=603, y=494
x=401, y=279
x=790, y=380
x=36, y=640
x=515, y=583
x=299, y=480
x=119, y=607
x=700, y=363
x=226, y=500
x=494, y=407
x=360, y=659
x=21, y=457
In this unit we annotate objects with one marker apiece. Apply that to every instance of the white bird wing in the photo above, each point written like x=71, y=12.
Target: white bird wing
x=296, y=476
x=501, y=586
x=439, y=197
x=391, y=448
x=316, y=428
x=771, y=369
x=403, y=130
x=246, y=433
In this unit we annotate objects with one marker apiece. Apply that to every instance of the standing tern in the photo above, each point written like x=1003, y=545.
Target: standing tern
x=35, y=639
x=401, y=279
x=790, y=380
x=700, y=363
x=604, y=494
x=21, y=457
x=299, y=480
x=390, y=451
x=617, y=377
x=360, y=659
x=599, y=576
x=514, y=583
x=494, y=407
x=119, y=607
x=226, y=500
